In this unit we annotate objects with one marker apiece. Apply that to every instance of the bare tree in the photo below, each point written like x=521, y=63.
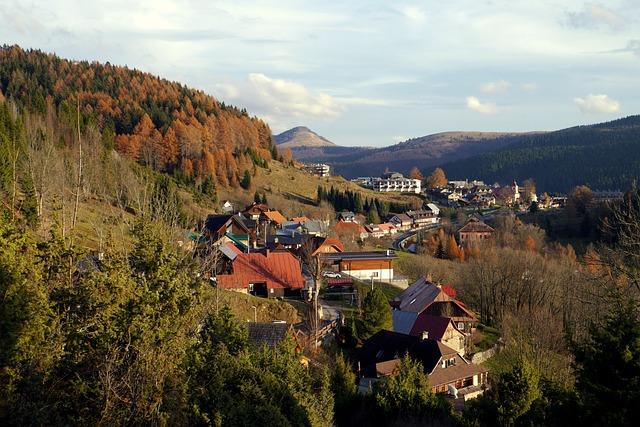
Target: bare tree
x=79, y=179
x=314, y=264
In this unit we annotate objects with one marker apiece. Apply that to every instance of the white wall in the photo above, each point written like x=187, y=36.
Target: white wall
x=384, y=274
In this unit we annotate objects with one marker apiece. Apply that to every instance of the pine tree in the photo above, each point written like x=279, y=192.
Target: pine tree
x=376, y=314
x=246, y=180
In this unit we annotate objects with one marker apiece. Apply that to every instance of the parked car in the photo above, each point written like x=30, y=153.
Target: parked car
x=331, y=274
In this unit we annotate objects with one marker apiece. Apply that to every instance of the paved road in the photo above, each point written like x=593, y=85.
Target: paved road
x=398, y=242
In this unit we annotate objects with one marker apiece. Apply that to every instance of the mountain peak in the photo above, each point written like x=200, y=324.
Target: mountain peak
x=301, y=136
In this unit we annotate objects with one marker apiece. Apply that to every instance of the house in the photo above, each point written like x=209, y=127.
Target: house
x=230, y=228
x=388, y=228
x=435, y=210
x=426, y=298
x=272, y=217
x=255, y=211
x=474, y=230
x=422, y=217
x=439, y=328
x=448, y=371
x=325, y=245
x=374, y=265
x=381, y=230
x=351, y=229
x=227, y=207
x=402, y=222
x=346, y=216
x=300, y=219
x=269, y=274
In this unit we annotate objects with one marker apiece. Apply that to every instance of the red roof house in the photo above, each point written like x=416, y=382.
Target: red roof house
x=270, y=274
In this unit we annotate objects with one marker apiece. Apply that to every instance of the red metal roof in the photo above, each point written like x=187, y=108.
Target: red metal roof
x=276, y=269
x=340, y=281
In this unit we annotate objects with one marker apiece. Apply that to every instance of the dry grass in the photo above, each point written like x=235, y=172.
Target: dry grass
x=293, y=191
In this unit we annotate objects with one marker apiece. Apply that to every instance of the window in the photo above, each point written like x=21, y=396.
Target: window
x=374, y=274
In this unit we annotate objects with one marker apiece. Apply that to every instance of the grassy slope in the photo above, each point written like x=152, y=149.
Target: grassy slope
x=298, y=188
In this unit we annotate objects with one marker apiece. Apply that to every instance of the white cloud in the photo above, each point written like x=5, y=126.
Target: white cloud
x=398, y=138
x=595, y=104
x=529, y=87
x=287, y=98
x=595, y=15
x=474, y=104
x=414, y=14
x=496, y=87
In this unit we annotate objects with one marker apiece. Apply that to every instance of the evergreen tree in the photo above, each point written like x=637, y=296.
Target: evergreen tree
x=407, y=396
x=376, y=314
x=608, y=368
x=246, y=180
x=372, y=216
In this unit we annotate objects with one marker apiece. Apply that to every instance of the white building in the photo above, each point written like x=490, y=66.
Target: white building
x=318, y=169
x=396, y=184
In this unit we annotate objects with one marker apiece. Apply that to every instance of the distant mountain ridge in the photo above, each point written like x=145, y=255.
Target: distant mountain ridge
x=604, y=156
x=301, y=136
x=423, y=152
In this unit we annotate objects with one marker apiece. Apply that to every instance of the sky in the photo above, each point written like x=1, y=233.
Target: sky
x=369, y=72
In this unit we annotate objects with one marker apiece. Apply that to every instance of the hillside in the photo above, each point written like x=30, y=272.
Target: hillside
x=424, y=152
x=153, y=121
x=603, y=156
x=301, y=136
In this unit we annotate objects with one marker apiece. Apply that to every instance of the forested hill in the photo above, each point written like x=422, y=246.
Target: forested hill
x=159, y=123
x=602, y=156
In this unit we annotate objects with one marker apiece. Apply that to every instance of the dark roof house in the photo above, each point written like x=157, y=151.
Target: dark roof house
x=447, y=370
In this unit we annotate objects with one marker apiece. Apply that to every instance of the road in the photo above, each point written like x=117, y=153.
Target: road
x=398, y=242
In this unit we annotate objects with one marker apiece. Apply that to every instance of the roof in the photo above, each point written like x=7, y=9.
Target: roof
x=417, y=297
x=276, y=269
x=323, y=243
x=402, y=217
x=476, y=226
x=403, y=321
x=346, y=214
x=340, y=282
x=299, y=219
x=256, y=208
x=230, y=250
x=449, y=290
x=353, y=256
x=275, y=216
x=421, y=294
x=270, y=334
x=348, y=227
x=454, y=373
x=420, y=214
x=385, y=346
x=436, y=326
x=214, y=222
x=386, y=226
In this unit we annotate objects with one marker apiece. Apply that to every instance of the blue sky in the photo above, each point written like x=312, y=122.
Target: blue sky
x=366, y=72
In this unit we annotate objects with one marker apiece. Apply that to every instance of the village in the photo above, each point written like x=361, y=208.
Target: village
x=260, y=252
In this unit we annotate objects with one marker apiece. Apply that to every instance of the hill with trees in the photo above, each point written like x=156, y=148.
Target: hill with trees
x=153, y=121
x=604, y=156
x=424, y=152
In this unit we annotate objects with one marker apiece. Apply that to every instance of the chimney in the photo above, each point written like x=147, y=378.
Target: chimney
x=424, y=336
